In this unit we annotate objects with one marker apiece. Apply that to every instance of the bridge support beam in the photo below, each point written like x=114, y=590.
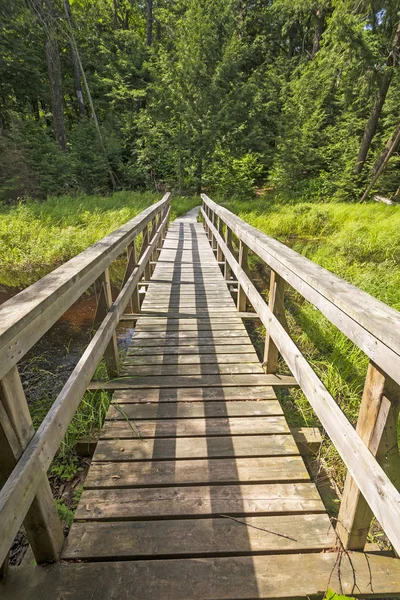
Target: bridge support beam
x=42, y=524
x=377, y=427
x=276, y=305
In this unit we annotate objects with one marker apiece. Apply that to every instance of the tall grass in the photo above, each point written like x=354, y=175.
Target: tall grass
x=35, y=237
x=361, y=244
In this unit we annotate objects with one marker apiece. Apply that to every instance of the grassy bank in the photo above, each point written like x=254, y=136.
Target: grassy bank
x=35, y=237
x=361, y=244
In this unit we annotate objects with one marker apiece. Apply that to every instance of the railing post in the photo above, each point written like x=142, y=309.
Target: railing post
x=220, y=255
x=153, y=229
x=228, y=241
x=145, y=243
x=276, y=305
x=243, y=262
x=377, y=427
x=104, y=302
x=42, y=524
x=131, y=264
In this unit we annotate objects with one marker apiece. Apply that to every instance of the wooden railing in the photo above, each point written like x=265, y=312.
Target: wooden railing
x=25, y=455
x=370, y=452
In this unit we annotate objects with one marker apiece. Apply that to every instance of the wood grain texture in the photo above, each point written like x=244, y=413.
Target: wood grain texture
x=210, y=427
x=280, y=576
x=155, y=473
x=199, y=537
x=179, y=448
x=202, y=501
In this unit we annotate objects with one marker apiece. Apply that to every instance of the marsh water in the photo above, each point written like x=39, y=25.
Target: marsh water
x=47, y=366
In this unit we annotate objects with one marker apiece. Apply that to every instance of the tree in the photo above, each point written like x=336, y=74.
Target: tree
x=46, y=14
x=372, y=123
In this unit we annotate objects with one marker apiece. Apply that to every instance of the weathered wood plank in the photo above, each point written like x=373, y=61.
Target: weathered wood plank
x=193, y=410
x=184, y=448
x=196, y=472
x=203, y=381
x=142, y=337
x=193, y=340
x=191, y=369
x=204, y=501
x=199, y=537
x=223, y=394
x=273, y=577
x=210, y=427
x=186, y=327
x=203, y=349
x=191, y=359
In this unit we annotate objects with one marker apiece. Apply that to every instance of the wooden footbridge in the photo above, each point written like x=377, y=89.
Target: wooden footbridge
x=197, y=489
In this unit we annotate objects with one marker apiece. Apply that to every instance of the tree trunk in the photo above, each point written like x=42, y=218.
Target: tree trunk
x=149, y=23
x=90, y=99
x=56, y=94
x=372, y=124
x=75, y=65
x=382, y=161
x=318, y=31
x=45, y=13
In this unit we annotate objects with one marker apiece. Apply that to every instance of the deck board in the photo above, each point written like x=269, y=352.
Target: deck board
x=194, y=433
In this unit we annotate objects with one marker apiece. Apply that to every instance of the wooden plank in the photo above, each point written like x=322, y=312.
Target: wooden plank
x=193, y=410
x=369, y=323
x=28, y=315
x=191, y=369
x=381, y=495
x=142, y=337
x=194, y=340
x=223, y=394
x=204, y=501
x=210, y=427
x=185, y=448
x=199, y=472
x=271, y=577
x=308, y=439
x=191, y=359
x=172, y=327
x=203, y=381
x=197, y=350
x=171, y=316
x=199, y=537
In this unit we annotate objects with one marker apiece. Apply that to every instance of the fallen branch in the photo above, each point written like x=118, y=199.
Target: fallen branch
x=260, y=528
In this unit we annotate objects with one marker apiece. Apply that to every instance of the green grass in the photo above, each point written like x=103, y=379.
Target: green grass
x=36, y=237
x=361, y=244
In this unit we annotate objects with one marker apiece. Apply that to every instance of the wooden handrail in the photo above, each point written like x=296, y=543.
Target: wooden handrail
x=26, y=317
x=380, y=493
x=38, y=450
x=369, y=323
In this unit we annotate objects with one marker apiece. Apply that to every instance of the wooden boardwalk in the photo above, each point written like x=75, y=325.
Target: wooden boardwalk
x=197, y=489
x=198, y=436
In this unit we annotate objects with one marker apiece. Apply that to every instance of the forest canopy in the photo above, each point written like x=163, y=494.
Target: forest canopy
x=227, y=96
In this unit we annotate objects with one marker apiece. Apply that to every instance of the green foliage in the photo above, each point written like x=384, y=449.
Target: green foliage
x=230, y=97
x=331, y=595
x=35, y=237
